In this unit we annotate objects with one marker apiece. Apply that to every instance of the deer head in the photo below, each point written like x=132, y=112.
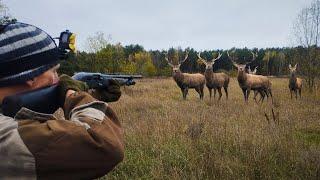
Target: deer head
x=293, y=69
x=210, y=63
x=241, y=67
x=176, y=68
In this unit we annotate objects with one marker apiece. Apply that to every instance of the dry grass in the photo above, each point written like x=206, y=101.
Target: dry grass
x=169, y=138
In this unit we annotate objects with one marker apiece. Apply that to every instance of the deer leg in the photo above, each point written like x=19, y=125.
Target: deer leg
x=244, y=91
x=226, y=90
x=186, y=92
x=270, y=92
x=202, y=92
x=214, y=93
x=248, y=93
x=210, y=92
x=220, y=93
x=198, y=91
x=182, y=91
x=262, y=94
x=255, y=95
x=300, y=93
x=296, y=92
x=291, y=93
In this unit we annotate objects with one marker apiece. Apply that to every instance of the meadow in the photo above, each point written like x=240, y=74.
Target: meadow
x=167, y=137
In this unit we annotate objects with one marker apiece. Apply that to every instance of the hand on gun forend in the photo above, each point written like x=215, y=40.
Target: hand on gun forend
x=110, y=93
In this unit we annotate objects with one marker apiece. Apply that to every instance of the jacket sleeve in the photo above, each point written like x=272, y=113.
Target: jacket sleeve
x=87, y=145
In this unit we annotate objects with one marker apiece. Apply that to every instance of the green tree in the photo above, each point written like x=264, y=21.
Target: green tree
x=144, y=64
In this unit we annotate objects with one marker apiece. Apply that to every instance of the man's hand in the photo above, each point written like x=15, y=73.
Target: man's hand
x=68, y=86
x=108, y=94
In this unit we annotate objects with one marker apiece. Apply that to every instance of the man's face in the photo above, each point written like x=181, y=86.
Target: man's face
x=48, y=78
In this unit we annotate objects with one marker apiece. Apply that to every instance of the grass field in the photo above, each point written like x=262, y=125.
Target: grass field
x=169, y=138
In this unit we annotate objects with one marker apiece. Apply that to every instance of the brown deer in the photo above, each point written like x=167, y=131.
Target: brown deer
x=215, y=80
x=248, y=82
x=295, y=84
x=254, y=72
x=187, y=81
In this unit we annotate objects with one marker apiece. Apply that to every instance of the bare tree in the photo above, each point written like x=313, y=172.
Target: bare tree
x=306, y=31
x=97, y=42
x=5, y=16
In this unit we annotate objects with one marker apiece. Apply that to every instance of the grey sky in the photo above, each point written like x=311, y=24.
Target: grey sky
x=201, y=24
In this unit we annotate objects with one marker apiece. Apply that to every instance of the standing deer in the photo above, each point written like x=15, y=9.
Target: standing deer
x=255, y=92
x=295, y=84
x=248, y=82
x=187, y=81
x=215, y=80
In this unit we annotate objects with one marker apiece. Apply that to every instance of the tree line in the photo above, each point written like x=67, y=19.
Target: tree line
x=134, y=59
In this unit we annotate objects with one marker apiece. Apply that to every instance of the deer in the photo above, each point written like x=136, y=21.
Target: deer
x=248, y=82
x=254, y=72
x=295, y=83
x=215, y=81
x=187, y=81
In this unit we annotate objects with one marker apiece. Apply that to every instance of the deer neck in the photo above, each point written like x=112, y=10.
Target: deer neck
x=178, y=76
x=293, y=78
x=242, y=77
x=208, y=72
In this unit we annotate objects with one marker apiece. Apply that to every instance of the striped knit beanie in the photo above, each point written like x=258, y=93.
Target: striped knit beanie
x=25, y=52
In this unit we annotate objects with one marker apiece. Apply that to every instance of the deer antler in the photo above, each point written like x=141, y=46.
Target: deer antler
x=255, y=69
x=219, y=56
x=232, y=59
x=203, y=60
x=170, y=64
x=254, y=56
x=186, y=57
x=249, y=70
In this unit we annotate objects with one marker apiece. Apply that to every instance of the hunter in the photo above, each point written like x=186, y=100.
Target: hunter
x=86, y=144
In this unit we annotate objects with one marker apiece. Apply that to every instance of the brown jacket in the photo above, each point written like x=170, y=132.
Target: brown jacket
x=39, y=146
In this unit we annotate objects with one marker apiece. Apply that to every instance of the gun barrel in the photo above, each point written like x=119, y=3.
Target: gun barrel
x=99, y=80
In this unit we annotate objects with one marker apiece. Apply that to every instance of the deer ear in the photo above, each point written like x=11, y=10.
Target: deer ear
x=295, y=66
x=290, y=66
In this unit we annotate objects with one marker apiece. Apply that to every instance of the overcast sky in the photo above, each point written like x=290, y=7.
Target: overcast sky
x=161, y=24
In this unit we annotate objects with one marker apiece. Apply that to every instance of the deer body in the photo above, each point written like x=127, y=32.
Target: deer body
x=254, y=72
x=215, y=81
x=295, y=83
x=248, y=82
x=187, y=81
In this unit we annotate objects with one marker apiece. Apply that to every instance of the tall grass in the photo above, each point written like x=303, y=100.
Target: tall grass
x=237, y=141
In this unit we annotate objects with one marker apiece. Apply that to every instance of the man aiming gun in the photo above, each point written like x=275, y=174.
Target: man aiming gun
x=86, y=145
